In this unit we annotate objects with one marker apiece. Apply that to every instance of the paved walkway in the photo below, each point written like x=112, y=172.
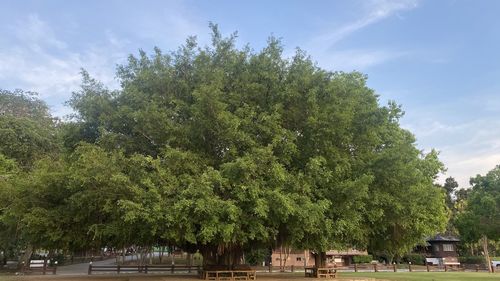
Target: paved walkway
x=81, y=268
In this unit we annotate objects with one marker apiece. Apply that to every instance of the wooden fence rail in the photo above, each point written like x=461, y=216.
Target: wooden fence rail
x=144, y=269
x=39, y=266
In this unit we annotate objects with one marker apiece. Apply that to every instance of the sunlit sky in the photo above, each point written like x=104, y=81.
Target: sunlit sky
x=439, y=59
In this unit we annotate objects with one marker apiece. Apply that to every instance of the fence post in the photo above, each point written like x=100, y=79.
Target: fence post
x=172, y=269
x=355, y=267
x=270, y=268
x=44, y=266
x=146, y=269
x=118, y=269
x=375, y=269
x=427, y=267
x=492, y=268
x=445, y=268
x=477, y=267
x=409, y=266
x=394, y=267
x=293, y=268
x=90, y=268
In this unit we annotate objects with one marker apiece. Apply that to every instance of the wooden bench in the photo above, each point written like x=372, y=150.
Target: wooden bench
x=230, y=275
x=40, y=266
x=310, y=271
x=326, y=272
x=320, y=272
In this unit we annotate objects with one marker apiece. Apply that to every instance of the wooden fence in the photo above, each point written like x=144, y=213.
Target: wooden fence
x=144, y=269
x=39, y=266
x=173, y=269
x=382, y=268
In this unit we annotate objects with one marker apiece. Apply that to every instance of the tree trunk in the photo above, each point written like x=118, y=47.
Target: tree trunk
x=486, y=253
x=306, y=258
x=228, y=255
x=320, y=259
x=123, y=255
x=25, y=259
x=287, y=254
x=172, y=255
x=162, y=252
x=151, y=255
x=281, y=258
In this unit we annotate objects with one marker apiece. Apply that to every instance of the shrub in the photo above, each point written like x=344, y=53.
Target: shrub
x=362, y=259
x=60, y=258
x=256, y=256
x=472, y=260
x=414, y=259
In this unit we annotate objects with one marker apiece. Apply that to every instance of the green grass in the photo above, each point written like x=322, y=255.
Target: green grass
x=426, y=276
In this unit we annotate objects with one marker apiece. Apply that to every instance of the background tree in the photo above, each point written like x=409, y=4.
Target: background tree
x=8, y=245
x=451, y=187
x=27, y=133
x=27, y=130
x=481, y=217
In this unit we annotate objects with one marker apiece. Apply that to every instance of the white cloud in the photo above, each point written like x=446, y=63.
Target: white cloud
x=175, y=24
x=374, y=11
x=36, y=33
x=322, y=46
x=36, y=59
x=466, y=149
x=357, y=59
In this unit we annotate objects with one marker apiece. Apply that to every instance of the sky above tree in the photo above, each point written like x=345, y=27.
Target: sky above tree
x=437, y=58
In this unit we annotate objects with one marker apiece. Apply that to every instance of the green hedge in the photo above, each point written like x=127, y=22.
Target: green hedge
x=472, y=260
x=362, y=259
x=417, y=259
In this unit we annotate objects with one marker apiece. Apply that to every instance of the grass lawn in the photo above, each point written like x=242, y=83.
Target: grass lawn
x=426, y=276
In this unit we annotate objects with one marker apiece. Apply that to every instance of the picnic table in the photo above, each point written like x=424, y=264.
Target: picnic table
x=229, y=275
x=221, y=272
x=320, y=272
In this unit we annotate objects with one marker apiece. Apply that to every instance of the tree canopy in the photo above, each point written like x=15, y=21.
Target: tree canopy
x=480, y=218
x=217, y=148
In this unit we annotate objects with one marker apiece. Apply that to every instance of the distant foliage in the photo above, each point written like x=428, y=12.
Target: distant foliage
x=472, y=260
x=417, y=259
x=256, y=256
x=363, y=259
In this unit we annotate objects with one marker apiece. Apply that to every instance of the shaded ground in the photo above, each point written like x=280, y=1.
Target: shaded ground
x=399, y=276
x=428, y=276
x=137, y=277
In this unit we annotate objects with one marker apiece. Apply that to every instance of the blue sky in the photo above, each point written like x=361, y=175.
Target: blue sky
x=439, y=59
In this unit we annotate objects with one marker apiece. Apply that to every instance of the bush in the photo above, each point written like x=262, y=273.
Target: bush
x=362, y=259
x=256, y=256
x=472, y=260
x=417, y=259
x=60, y=258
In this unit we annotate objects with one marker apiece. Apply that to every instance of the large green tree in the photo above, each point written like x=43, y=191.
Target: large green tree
x=480, y=219
x=253, y=148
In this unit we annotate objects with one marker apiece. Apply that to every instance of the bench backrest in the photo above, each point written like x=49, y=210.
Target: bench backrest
x=37, y=263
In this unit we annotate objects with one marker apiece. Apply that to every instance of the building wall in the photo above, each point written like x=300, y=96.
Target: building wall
x=306, y=258
x=444, y=249
x=295, y=258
